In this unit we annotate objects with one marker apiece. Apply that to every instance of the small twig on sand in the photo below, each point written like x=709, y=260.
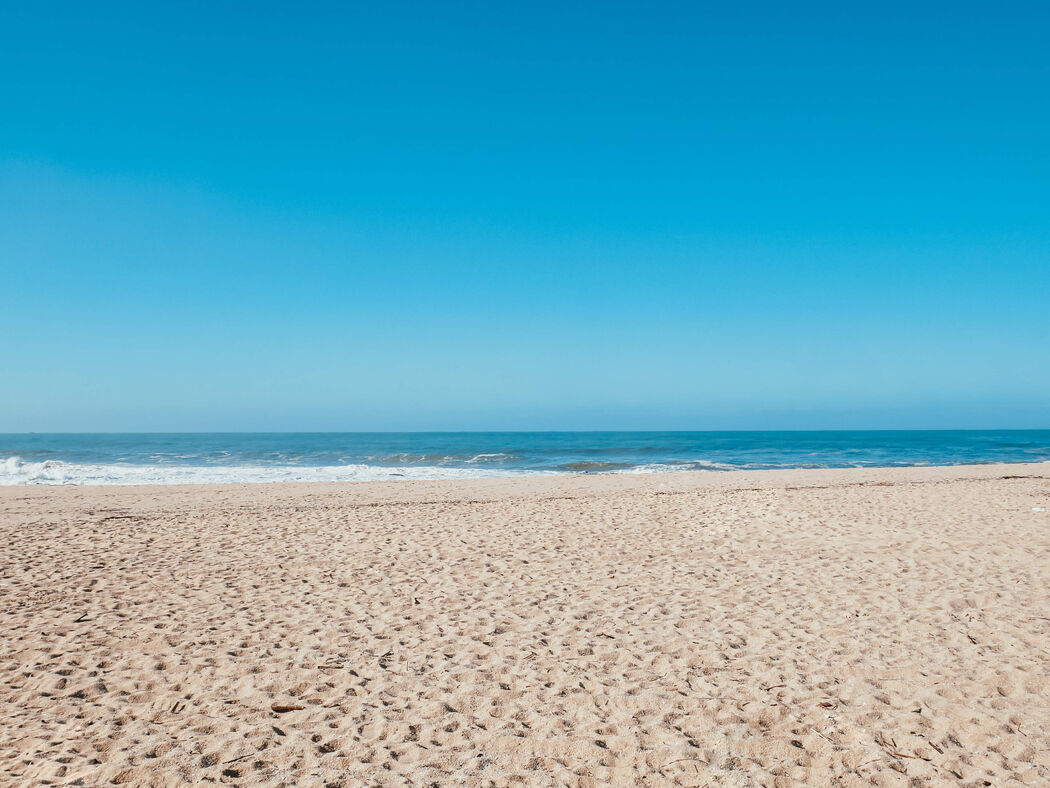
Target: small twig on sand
x=679, y=760
x=821, y=735
x=905, y=755
x=282, y=708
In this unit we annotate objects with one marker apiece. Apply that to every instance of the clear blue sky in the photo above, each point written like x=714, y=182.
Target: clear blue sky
x=537, y=215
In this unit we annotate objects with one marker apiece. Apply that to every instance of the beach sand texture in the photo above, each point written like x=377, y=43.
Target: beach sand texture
x=840, y=627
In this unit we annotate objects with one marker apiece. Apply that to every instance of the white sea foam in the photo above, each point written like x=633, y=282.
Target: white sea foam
x=678, y=467
x=14, y=471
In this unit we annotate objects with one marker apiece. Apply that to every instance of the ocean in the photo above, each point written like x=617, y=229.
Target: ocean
x=195, y=458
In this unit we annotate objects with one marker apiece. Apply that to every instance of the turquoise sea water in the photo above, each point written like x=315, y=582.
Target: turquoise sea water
x=262, y=457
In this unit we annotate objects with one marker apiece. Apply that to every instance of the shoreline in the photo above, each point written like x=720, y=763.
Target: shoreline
x=836, y=626
x=702, y=478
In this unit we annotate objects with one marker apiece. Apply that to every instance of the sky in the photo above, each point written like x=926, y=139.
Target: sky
x=416, y=216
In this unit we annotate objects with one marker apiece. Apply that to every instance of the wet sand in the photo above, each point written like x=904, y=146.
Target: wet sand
x=779, y=628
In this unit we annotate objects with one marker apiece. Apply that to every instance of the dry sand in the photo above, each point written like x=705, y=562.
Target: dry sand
x=875, y=627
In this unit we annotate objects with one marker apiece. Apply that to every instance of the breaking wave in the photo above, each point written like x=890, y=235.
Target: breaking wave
x=690, y=465
x=14, y=471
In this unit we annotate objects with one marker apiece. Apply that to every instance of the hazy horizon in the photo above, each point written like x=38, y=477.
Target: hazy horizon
x=533, y=432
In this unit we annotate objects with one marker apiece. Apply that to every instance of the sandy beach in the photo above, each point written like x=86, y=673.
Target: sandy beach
x=777, y=628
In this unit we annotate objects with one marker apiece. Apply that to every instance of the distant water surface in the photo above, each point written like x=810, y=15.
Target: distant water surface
x=158, y=458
